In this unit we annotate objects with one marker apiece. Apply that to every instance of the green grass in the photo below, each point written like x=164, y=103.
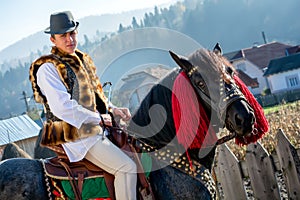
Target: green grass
x=275, y=108
x=272, y=109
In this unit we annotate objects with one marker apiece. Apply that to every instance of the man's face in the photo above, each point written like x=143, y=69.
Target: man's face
x=66, y=42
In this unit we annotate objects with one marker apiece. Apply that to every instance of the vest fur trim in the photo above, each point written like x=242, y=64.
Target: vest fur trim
x=89, y=90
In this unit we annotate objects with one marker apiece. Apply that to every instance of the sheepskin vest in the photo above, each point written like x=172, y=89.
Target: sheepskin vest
x=78, y=74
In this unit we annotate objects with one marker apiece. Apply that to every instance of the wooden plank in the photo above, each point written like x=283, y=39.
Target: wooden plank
x=261, y=172
x=290, y=165
x=229, y=174
x=275, y=159
x=244, y=170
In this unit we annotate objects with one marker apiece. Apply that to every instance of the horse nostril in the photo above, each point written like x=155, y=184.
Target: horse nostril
x=238, y=119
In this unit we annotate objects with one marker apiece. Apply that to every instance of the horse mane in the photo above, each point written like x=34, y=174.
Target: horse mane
x=213, y=62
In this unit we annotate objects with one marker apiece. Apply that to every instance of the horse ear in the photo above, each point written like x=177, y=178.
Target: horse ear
x=181, y=61
x=217, y=49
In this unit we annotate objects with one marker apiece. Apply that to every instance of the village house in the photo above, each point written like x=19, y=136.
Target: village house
x=21, y=130
x=136, y=85
x=251, y=63
x=283, y=74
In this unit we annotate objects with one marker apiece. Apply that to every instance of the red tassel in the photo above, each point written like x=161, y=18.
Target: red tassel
x=261, y=124
x=192, y=124
x=190, y=119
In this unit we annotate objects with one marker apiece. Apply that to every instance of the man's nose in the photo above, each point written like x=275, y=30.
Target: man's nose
x=69, y=38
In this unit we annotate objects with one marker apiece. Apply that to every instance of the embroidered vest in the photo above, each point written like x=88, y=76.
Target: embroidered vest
x=78, y=74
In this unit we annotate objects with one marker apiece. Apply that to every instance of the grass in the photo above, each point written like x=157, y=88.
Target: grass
x=276, y=108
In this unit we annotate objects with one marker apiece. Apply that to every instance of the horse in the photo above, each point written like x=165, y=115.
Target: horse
x=178, y=118
x=12, y=150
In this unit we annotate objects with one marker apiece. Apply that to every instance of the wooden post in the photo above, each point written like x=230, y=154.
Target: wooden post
x=290, y=165
x=261, y=172
x=229, y=174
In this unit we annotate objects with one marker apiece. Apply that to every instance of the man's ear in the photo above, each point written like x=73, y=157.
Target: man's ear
x=52, y=39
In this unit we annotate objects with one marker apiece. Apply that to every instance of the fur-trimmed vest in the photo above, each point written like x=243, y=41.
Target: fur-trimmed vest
x=78, y=74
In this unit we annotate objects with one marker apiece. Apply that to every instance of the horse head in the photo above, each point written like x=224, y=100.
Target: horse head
x=212, y=77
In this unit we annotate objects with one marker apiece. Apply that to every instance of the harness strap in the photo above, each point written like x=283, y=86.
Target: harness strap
x=109, y=181
x=142, y=178
x=80, y=182
x=75, y=187
x=123, y=140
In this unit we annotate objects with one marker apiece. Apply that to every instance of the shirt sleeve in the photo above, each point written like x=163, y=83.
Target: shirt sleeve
x=59, y=100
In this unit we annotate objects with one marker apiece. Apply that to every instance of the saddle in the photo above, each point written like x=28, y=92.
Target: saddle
x=61, y=168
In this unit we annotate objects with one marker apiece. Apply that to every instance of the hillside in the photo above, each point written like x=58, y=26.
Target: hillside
x=233, y=23
x=91, y=26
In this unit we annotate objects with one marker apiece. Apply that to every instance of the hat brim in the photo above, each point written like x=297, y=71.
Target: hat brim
x=49, y=31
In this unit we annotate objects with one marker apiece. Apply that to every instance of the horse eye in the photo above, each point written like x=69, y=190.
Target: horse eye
x=201, y=84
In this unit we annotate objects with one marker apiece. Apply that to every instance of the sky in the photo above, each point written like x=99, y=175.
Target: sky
x=21, y=18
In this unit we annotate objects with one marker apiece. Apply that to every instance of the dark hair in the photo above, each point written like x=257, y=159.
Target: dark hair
x=74, y=31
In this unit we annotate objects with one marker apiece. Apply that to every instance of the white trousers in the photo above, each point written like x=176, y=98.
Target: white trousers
x=113, y=160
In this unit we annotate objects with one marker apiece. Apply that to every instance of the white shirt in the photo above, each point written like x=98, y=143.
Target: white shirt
x=67, y=109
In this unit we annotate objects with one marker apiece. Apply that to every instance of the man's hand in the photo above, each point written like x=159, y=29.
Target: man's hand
x=106, y=120
x=124, y=113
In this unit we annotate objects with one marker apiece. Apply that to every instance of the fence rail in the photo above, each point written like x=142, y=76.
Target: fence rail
x=278, y=98
x=261, y=169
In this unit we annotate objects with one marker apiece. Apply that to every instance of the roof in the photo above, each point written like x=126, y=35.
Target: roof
x=260, y=55
x=17, y=128
x=132, y=81
x=251, y=82
x=283, y=64
x=132, y=84
x=293, y=50
x=235, y=55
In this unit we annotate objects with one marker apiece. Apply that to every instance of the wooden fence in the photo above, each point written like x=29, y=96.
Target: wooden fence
x=278, y=98
x=260, y=175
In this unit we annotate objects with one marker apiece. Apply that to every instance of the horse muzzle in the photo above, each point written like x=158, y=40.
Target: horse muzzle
x=240, y=119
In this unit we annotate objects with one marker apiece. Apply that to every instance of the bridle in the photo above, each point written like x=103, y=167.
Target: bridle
x=229, y=93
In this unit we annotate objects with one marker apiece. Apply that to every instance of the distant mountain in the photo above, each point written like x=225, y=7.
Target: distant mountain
x=235, y=24
x=91, y=26
x=238, y=24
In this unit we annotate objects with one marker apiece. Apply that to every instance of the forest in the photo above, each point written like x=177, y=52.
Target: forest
x=235, y=24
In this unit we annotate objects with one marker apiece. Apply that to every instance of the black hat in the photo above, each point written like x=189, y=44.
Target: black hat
x=61, y=22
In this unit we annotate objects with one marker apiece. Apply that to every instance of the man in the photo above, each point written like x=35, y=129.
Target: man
x=65, y=82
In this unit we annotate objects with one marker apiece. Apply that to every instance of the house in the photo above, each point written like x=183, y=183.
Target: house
x=21, y=130
x=283, y=73
x=254, y=61
x=137, y=85
x=293, y=50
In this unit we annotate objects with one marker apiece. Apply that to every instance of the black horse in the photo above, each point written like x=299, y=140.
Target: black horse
x=205, y=90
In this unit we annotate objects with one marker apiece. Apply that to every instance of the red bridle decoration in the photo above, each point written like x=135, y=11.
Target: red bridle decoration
x=192, y=124
x=190, y=119
x=261, y=123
